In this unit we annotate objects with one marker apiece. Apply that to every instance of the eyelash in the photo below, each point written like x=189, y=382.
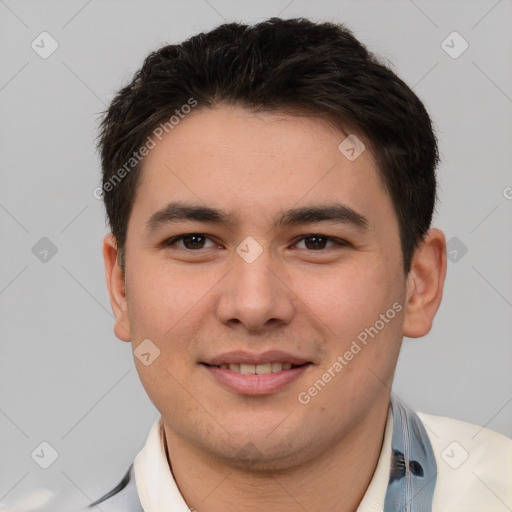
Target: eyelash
x=338, y=241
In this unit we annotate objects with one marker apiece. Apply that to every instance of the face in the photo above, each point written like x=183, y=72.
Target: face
x=278, y=325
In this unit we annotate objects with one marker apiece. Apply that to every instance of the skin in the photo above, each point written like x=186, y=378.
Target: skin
x=230, y=451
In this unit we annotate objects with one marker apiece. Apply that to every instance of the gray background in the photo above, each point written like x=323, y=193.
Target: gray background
x=65, y=378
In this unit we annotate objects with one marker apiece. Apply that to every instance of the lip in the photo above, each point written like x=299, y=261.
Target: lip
x=255, y=385
x=240, y=356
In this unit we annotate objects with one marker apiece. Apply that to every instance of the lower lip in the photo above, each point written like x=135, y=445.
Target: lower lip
x=256, y=384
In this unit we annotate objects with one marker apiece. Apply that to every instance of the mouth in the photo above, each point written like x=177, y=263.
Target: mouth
x=256, y=374
x=257, y=369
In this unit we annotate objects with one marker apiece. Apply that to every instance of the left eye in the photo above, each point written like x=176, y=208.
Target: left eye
x=317, y=242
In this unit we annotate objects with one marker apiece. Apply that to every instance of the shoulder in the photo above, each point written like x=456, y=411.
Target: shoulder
x=474, y=465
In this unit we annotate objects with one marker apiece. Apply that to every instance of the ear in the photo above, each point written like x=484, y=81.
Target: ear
x=425, y=284
x=116, y=288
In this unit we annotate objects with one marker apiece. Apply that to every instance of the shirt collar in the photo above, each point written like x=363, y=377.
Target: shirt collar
x=155, y=482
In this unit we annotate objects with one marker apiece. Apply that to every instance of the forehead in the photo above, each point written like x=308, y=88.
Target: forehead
x=256, y=164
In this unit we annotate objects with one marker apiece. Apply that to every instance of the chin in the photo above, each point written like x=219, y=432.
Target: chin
x=260, y=454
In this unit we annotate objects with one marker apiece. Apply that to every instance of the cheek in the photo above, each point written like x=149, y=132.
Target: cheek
x=349, y=298
x=162, y=298
x=167, y=307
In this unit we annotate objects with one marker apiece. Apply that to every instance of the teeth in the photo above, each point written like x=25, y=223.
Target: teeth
x=247, y=369
x=257, y=369
x=276, y=367
x=263, y=369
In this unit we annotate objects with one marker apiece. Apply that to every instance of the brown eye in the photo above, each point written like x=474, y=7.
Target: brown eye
x=191, y=241
x=318, y=242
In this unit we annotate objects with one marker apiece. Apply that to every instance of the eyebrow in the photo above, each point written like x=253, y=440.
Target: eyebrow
x=176, y=212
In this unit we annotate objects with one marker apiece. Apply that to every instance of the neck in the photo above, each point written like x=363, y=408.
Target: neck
x=334, y=480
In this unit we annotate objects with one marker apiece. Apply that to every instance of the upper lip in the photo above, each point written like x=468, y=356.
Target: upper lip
x=243, y=357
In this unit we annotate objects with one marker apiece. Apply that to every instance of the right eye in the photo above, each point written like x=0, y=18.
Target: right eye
x=191, y=241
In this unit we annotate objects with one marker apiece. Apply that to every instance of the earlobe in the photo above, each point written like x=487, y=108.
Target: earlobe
x=425, y=283
x=116, y=288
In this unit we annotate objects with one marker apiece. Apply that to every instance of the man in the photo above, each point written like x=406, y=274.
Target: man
x=270, y=190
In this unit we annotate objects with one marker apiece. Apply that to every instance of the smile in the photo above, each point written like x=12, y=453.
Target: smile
x=257, y=369
x=255, y=379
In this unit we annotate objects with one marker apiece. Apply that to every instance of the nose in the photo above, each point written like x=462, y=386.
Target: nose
x=256, y=294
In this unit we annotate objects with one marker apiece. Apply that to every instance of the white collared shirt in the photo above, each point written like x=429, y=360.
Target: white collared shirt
x=474, y=467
